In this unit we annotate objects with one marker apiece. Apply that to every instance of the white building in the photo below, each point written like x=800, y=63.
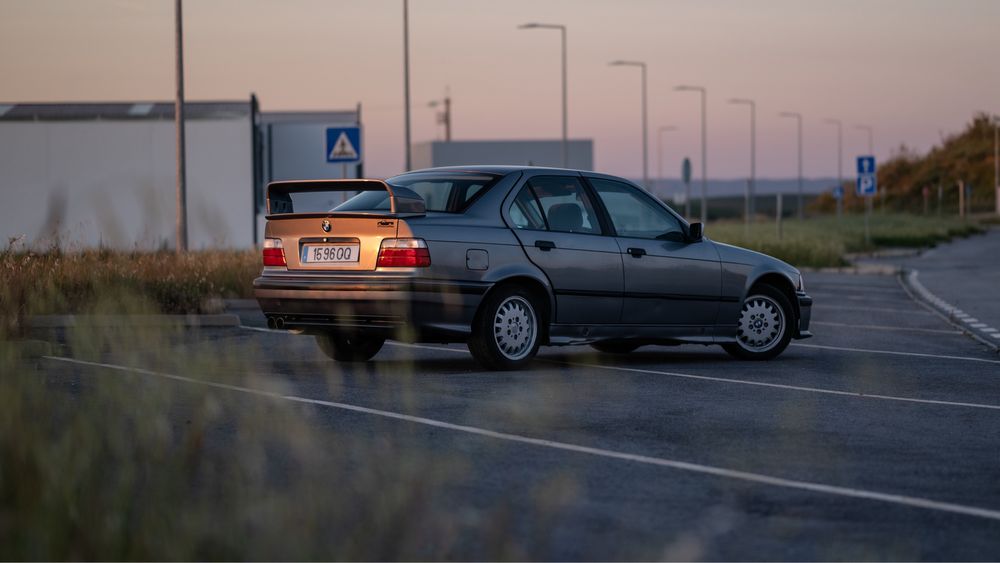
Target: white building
x=90, y=174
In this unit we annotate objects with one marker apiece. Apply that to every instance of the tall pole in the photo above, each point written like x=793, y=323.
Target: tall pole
x=798, y=117
x=645, y=136
x=565, y=86
x=447, y=118
x=659, y=148
x=753, y=151
x=704, y=146
x=996, y=161
x=868, y=199
x=406, y=80
x=840, y=163
x=182, y=239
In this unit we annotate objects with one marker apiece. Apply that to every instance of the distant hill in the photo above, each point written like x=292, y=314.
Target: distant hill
x=966, y=156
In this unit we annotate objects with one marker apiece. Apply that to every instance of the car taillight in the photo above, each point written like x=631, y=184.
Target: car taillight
x=274, y=253
x=403, y=253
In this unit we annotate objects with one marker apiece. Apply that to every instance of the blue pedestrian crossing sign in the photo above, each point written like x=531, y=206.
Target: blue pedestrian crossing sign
x=343, y=144
x=867, y=180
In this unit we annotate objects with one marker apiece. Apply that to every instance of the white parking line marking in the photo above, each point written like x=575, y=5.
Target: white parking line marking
x=872, y=309
x=760, y=478
x=880, y=327
x=820, y=390
x=915, y=354
x=989, y=329
x=979, y=325
x=969, y=320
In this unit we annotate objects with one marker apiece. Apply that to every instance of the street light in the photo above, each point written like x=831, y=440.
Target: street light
x=797, y=116
x=753, y=150
x=996, y=161
x=406, y=80
x=659, y=148
x=704, y=145
x=181, y=227
x=840, y=162
x=565, y=133
x=645, y=145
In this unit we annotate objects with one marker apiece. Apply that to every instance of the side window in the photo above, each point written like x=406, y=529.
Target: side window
x=565, y=203
x=525, y=211
x=633, y=213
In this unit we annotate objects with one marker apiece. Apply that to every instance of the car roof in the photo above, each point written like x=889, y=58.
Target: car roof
x=490, y=169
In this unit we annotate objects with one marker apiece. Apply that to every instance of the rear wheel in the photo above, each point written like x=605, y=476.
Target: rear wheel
x=615, y=346
x=505, y=334
x=764, y=328
x=349, y=347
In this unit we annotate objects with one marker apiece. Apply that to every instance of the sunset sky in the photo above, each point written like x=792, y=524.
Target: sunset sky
x=912, y=69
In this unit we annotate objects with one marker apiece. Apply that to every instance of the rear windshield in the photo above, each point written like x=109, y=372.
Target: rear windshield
x=451, y=193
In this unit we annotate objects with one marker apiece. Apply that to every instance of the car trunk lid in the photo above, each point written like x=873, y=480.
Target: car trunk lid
x=316, y=237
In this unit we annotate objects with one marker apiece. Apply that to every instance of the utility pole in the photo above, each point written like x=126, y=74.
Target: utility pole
x=445, y=116
x=996, y=162
x=406, y=80
x=181, y=234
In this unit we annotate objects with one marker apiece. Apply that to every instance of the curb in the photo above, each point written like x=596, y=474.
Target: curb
x=858, y=270
x=188, y=321
x=951, y=314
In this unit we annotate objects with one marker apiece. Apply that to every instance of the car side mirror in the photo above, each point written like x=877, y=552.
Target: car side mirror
x=695, y=232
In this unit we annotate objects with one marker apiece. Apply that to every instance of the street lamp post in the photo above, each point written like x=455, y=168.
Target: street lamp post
x=406, y=80
x=659, y=148
x=181, y=234
x=840, y=162
x=871, y=137
x=645, y=137
x=753, y=151
x=797, y=116
x=565, y=111
x=996, y=161
x=704, y=145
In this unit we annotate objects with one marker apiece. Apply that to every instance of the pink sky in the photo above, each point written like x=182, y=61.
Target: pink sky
x=912, y=69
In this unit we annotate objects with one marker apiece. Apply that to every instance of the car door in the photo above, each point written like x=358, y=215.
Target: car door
x=668, y=280
x=556, y=221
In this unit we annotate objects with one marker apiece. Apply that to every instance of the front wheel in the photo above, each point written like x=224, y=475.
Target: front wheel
x=349, y=347
x=505, y=332
x=764, y=328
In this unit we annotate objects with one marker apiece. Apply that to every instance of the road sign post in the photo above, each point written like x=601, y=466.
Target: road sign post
x=867, y=187
x=686, y=176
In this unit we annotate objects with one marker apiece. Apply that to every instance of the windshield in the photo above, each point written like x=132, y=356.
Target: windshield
x=448, y=193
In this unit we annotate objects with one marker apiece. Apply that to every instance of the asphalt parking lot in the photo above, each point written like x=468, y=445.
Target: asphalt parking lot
x=879, y=438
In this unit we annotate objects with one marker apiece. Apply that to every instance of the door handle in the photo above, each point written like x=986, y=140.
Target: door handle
x=637, y=252
x=545, y=245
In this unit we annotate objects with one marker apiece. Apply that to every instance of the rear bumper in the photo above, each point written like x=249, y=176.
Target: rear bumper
x=805, y=313
x=402, y=308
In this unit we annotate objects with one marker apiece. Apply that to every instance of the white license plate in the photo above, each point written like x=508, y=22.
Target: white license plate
x=327, y=253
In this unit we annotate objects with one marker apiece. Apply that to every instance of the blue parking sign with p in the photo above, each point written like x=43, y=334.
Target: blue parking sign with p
x=867, y=179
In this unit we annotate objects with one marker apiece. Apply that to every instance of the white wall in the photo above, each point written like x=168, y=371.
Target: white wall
x=113, y=183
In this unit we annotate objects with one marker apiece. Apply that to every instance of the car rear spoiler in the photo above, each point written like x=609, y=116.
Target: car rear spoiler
x=279, y=195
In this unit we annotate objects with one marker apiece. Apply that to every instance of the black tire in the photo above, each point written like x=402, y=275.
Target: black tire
x=763, y=306
x=616, y=346
x=507, y=329
x=349, y=347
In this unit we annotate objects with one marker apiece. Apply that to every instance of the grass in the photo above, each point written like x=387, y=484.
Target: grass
x=826, y=241
x=98, y=464
x=37, y=283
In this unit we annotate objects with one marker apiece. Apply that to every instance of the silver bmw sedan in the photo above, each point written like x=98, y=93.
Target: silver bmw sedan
x=510, y=258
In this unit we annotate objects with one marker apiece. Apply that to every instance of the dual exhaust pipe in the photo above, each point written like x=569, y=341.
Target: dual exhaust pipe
x=276, y=323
